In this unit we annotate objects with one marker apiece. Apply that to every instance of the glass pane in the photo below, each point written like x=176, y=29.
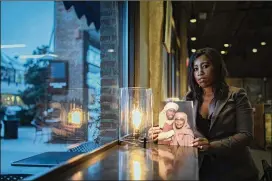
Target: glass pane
x=61, y=64
x=136, y=115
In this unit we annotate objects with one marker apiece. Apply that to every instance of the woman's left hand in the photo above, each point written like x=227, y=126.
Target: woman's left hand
x=202, y=143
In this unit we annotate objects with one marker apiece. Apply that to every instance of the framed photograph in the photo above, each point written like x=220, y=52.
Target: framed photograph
x=177, y=123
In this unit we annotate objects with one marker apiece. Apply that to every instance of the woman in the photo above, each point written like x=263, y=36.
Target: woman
x=183, y=133
x=224, y=121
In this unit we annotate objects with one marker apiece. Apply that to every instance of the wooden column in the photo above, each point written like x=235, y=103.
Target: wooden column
x=155, y=53
x=148, y=48
x=184, y=52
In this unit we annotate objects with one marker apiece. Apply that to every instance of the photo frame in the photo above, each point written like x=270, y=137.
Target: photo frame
x=177, y=123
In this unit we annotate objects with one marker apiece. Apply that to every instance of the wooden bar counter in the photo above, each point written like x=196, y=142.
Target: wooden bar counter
x=126, y=162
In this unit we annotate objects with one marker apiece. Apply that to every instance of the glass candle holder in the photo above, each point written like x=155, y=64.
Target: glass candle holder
x=136, y=115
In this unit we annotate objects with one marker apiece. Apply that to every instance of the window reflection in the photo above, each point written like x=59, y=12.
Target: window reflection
x=94, y=83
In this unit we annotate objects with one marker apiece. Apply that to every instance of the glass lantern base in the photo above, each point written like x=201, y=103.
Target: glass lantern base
x=134, y=139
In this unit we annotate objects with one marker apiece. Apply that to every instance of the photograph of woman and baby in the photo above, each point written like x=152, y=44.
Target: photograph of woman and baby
x=176, y=122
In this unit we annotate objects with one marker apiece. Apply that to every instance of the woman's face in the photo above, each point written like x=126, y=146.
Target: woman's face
x=179, y=122
x=203, y=71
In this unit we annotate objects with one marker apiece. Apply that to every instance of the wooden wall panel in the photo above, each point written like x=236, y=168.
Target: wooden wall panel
x=259, y=127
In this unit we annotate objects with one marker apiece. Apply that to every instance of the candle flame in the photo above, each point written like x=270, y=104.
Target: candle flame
x=136, y=118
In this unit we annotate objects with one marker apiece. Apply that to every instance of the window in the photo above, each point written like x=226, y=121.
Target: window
x=79, y=47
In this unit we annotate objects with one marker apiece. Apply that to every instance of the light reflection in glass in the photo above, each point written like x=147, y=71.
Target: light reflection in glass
x=137, y=170
x=75, y=116
x=136, y=118
x=77, y=176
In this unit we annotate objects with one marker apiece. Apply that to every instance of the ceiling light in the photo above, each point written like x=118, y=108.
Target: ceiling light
x=223, y=52
x=110, y=50
x=193, y=50
x=226, y=45
x=193, y=38
x=254, y=50
x=13, y=46
x=193, y=20
x=263, y=43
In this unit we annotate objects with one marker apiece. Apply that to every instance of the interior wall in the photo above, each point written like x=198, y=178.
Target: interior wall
x=155, y=53
x=149, y=52
x=164, y=75
x=141, y=63
x=148, y=62
x=257, y=89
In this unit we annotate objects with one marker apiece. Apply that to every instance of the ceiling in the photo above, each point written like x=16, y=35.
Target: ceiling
x=243, y=24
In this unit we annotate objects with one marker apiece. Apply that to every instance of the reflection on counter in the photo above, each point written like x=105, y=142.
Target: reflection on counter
x=137, y=170
x=157, y=162
x=174, y=161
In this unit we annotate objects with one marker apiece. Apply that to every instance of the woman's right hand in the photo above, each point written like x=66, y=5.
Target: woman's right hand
x=153, y=133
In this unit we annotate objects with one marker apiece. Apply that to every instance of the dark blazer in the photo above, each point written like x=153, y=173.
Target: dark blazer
x=230, y=133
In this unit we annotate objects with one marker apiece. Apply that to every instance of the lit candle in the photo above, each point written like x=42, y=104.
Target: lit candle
x=136, y=120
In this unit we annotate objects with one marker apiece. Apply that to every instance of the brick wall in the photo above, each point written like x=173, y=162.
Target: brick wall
x=109, y=69
x=69, y=47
